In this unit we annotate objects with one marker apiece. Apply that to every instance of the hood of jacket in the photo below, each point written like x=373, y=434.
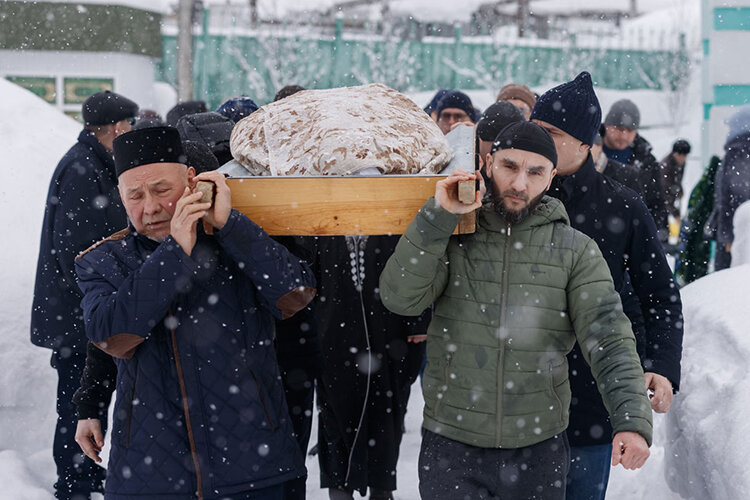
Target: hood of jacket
x=549, y=210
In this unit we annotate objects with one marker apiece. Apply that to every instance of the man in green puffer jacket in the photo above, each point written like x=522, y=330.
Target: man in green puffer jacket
x=510, y=302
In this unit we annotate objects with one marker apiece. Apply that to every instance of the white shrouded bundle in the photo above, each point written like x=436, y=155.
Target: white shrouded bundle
x=340, y=131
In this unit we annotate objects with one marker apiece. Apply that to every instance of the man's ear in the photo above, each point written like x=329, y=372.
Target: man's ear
x=554, y=173
x=584, y=148
x=190, y=177
x=488, y=165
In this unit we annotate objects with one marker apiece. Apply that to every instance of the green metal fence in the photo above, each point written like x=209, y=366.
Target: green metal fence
x=229, y=65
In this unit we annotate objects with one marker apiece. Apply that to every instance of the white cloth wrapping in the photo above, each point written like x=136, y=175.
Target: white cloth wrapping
x=340, y=132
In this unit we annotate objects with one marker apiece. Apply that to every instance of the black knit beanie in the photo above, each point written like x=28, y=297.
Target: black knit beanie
x=572, y=107
x=496, y=118
x=459, y=100
x=526, y=136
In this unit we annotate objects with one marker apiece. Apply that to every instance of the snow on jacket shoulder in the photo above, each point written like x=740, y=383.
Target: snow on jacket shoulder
x=200, y=407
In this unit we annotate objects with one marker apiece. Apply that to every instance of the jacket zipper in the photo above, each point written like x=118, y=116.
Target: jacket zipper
x=191, y=438
x=501, y=352
x=262, y=400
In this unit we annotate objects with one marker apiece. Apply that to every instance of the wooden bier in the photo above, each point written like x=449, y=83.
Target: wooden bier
x=333, y=206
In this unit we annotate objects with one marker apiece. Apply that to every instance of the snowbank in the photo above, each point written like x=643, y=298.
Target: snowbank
x=706, y=453
x=35, y=136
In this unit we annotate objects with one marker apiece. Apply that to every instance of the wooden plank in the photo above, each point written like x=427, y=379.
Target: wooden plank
x=336, y=205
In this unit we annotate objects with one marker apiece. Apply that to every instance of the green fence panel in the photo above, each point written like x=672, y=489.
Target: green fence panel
x=257, y=66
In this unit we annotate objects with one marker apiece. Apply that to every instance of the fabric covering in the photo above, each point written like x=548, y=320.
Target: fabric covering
x=340, y=132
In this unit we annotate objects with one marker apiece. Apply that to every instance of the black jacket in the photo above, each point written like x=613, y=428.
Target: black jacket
x=627, y=175
x=649, y=182
x=83, y=206
x=351, y=321
x=616, y=218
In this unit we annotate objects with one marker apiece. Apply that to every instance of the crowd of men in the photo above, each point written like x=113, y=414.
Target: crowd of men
x=550, y=334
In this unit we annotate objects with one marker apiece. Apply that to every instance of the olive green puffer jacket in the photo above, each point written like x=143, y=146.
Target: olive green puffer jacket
x=510, y=302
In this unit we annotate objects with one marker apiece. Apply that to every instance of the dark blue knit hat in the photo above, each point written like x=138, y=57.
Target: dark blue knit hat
x=457, y=100
x=432, y=106
x=237, y=108
x=572, y=107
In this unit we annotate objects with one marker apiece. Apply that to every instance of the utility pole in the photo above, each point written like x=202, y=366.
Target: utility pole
x=523, y=15
x=253, y=13
x=385, y=16
x=185, y=50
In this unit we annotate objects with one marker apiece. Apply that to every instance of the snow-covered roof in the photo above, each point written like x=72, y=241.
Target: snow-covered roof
x=158, y=6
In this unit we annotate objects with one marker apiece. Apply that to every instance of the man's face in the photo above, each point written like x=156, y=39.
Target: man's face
x=520, y=179
x=571, y=153
x=679, y=158
x=525, y=109
x=450, y=116
x=149, y=194
x=618, y=137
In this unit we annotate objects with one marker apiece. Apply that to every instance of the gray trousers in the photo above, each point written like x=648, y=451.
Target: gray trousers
x=450, y=470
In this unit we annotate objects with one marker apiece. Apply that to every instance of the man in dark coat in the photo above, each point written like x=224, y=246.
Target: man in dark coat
x=188, y=315
x=732, y=184
x=623, y=143
x=83, y=206
x=616, y=218
x=368, y=363
x=672, y=168
x=627, y=175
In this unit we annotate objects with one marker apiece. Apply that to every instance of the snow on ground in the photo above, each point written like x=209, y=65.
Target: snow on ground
x=706, y=457
x=35, y=136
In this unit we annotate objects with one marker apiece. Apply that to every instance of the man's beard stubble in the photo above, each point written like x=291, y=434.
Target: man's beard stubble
x=514, y=217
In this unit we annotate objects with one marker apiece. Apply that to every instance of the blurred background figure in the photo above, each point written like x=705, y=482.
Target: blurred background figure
x=732, y=184
x=622, y=142
x=520, y=96
x=211, y=129
x=237, y=108
x=185, y=108
x=672, y=169
x=455, y=107
x=287, y=91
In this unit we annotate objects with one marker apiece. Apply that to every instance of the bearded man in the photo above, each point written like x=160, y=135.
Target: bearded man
x=510, y=301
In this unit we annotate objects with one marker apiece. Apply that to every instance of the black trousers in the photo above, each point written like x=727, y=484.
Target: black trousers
x=450, y=470
x=77, y=475
x=299, y=388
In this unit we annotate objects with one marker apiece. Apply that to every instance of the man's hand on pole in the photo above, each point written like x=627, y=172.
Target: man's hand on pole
x=446, y=192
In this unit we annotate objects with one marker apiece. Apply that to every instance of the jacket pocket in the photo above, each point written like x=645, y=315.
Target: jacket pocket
x=552, y=367
x=129, y=409
x=263, y=401
x=442, y=390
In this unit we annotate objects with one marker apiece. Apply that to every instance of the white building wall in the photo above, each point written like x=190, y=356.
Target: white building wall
x=133, y=75
x=726, y=77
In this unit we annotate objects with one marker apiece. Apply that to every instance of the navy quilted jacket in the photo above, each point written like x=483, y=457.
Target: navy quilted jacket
x=200, y=408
